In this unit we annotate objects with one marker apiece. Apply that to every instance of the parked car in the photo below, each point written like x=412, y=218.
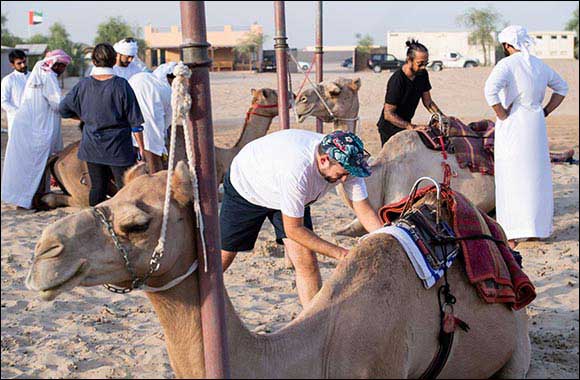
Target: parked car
x=303, y=65
x=380, y=62
x=347, y=63
x=453, y=59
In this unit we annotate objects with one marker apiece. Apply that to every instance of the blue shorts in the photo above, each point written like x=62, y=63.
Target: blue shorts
x=241, y=221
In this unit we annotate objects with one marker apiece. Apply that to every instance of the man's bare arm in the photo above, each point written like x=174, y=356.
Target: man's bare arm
x=295, y=230
x=430, y=104
x=554, y=102
x=366, y=215
x=393, y=118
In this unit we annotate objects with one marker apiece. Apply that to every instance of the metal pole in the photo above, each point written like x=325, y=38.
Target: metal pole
x=281, y=63
x=318, y=52
x=199, y=122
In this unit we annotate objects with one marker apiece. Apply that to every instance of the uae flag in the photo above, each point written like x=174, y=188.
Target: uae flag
x=34, y=17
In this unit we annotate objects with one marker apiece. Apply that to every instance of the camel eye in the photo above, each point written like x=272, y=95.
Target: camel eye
x=135, y=228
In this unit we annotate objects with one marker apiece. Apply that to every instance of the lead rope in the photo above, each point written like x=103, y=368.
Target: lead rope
x=180, y=106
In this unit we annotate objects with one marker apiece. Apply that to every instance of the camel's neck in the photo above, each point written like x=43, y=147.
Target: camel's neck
x=251, y=355
x=345, y=125
x=255, y=126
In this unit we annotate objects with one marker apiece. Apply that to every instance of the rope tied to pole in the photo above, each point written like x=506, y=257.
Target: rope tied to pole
x=180, y=106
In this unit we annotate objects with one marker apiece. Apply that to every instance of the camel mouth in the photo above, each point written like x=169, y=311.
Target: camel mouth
x=304, y=115
x=48, y=293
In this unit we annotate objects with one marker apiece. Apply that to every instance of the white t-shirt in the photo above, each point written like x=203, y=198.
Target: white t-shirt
x=279, y=171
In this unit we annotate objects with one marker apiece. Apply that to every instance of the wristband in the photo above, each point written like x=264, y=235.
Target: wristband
x=137, y=129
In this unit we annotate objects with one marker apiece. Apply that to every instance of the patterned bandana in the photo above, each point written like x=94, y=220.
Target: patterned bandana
x=349, y=151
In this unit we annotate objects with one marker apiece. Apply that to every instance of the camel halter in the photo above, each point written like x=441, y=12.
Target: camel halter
x=180, y=105
x=333, y=117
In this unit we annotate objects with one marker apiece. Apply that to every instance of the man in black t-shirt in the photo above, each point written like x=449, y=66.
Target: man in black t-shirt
x=404, y=89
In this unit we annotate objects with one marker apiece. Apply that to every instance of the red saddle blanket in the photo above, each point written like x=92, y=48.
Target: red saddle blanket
x=490, y=266
x=472, y=144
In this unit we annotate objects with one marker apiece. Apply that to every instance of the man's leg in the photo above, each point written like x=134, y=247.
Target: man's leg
x=154, y=162
x=308, y=279
x=227, y=259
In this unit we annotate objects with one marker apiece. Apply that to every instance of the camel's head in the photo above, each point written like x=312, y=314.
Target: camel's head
x=265, y=101
x=340, y=95
x=79, y=249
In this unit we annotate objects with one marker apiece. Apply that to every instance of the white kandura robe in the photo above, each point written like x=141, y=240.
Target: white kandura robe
x=12, y=90
x=35, y=135
x=523, y=174
x=154, y=98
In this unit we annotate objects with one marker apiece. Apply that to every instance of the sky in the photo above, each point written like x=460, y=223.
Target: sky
x=341, y=20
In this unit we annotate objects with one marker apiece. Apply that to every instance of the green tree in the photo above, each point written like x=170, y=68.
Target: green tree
x=573, y=25
x=483, y=24
x=364, y=43
x=58, y=38
x=8, y=39
x=249, y=45
x=115, y=29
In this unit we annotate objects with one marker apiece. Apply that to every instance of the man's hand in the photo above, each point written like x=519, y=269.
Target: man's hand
x=142, y=155
x=341, y=253
x=422, y=128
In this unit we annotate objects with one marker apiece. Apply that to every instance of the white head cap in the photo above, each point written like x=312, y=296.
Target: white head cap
x=518, y=37
x=126, y=48
x=162, y=71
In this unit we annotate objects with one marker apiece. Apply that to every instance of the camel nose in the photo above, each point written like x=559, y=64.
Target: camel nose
x=47, y=248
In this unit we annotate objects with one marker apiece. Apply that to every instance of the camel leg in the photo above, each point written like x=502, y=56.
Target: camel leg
x=519, y=364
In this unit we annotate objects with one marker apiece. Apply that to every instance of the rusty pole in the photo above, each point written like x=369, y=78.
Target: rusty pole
x=199, y=122
x=281, y=63
x=318, y=52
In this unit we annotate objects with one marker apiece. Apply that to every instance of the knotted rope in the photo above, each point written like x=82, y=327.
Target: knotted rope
x=180, y=106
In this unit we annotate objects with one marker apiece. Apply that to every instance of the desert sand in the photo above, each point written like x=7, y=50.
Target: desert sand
x=92, y=333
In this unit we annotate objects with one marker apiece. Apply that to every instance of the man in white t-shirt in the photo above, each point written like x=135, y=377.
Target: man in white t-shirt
x=277, y=177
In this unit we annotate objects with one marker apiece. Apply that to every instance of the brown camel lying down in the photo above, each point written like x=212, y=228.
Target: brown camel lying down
x=72, y=174
x=371, y=319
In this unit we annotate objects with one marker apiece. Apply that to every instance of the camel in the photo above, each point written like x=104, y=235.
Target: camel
x=402, y=160
x=340, y=95
x=72, y=173
x=371, y=319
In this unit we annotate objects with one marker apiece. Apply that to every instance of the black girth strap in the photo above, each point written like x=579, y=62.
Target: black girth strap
x=440, y=359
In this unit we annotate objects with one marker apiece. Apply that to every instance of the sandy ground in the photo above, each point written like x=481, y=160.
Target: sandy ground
x=91, y=333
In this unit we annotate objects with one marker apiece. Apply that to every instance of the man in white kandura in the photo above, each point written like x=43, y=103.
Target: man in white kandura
x=523, y=176
x=35, y=134
x=128, y=63
x=13, y=85
x=153, y=92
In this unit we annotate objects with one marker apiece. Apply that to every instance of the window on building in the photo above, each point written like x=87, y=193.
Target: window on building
x=564, y=36
x=539, y=37
x=161, y=56
x=154, y=59
x=554, y=37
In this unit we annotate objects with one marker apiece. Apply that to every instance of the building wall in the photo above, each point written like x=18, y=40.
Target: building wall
x=6, y=68
x=438, y=44
x=553, y=44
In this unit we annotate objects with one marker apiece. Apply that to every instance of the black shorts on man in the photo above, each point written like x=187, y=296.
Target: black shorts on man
x=241, y=221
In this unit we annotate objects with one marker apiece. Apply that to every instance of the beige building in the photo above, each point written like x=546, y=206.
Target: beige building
x=549, y=44
x=163, y=46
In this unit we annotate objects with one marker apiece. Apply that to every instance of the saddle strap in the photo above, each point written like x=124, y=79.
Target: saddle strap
x=440, y=359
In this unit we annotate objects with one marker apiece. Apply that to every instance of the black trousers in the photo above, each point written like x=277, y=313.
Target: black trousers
x=387, y=132
x=100, y=177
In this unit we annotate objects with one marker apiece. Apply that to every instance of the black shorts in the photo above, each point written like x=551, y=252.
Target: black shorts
x=241, y=221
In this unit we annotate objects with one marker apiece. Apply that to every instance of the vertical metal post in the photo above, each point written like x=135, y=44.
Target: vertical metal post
x=199, y=122
x=318, y=52
x=281, y=63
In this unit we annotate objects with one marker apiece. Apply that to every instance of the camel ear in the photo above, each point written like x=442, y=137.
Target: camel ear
x=333, y=89
x=181, y=189
x=253, y=92
x=134, y=172
x=354, y=84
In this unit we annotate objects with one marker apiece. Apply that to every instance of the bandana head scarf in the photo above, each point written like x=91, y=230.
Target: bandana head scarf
x=162, y=71
x=127, y=46
x=348, y=149
x=518, y=37
x=53, y=57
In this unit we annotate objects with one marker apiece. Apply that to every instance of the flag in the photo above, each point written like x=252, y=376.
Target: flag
x=34, y=17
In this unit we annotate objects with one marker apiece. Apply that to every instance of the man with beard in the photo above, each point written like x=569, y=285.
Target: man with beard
x=279, y=176
x=128, y=63
x=404, y=89
x=36, y=133
x=13, y=85
x=515, y=90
